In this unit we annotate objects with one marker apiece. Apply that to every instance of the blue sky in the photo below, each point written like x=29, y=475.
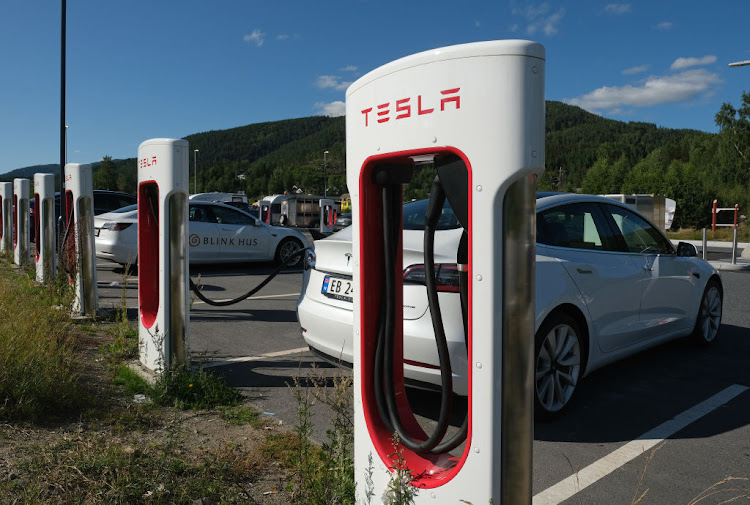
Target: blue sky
x=142, y=69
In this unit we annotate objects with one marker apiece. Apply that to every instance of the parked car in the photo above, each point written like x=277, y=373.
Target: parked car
x=608, y=284
x=104, y=201
x=217, y=233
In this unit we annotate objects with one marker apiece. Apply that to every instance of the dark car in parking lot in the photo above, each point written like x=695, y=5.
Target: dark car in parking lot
x=104, y=201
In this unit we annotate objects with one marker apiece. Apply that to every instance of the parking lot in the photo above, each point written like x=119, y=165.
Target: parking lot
x=673, y=421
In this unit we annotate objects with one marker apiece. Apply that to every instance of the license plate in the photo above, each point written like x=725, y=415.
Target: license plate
x=340, y=289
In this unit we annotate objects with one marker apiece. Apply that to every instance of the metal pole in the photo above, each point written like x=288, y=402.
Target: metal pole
x=713, y=218
x=63, y=23
x=325, y=173
x=734, y=247
x=195, y=171
x=705, y=244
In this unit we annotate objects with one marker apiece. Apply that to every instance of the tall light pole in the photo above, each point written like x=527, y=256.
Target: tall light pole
x=195, y=171
x=63, y=132
x=325, y=173
x=66, y=144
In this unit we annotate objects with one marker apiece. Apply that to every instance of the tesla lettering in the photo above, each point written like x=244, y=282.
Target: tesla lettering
x=403, y=107
x=147, y=162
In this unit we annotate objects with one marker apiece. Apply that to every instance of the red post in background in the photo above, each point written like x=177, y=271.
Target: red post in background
x=713, y=217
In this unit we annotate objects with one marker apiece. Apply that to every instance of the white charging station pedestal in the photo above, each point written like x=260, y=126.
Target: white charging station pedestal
x=21, y=235
x=78, y=225
x=163, y=320
x=44, y=227
x=327, y=215
x=479, y=106
x=6, y=216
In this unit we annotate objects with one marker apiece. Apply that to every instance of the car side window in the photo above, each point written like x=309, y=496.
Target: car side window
x=200, y=214
x=225, y=215
x=639, y=235
x=575, y=226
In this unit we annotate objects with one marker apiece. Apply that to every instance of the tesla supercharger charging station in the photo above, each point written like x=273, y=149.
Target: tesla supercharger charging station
x=327, y=215
x=78, y=234
x=6, y=216
x=44, y=227
x=265, y=212
x=476, y=112
x=21, y=236
x=162, y=252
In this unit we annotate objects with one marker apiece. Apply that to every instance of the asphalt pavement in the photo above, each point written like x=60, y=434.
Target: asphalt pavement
x=674, y=420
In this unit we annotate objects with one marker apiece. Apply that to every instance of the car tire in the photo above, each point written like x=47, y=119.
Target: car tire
x=286, y=248
x=558, y=365
x=708, y=320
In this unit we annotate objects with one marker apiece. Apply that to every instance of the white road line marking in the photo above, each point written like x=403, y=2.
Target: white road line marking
x=608, y=464
x=245, y=359
x=265, y=297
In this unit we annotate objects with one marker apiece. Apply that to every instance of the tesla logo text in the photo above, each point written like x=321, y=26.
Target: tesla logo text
x=147, y=162
x=408, y=107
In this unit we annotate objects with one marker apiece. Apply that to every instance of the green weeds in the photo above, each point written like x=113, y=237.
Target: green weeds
x=184, y=388
x=38, y=369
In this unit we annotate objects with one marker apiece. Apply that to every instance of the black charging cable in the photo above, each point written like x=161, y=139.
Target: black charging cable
x=290, y=260
x=384, y=386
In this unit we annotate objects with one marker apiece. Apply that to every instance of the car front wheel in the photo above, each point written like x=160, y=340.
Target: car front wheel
x=558, y=367
x=709, y=314
x=286, y=249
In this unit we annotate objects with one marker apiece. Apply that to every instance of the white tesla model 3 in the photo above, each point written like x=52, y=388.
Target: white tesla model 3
x=608, y=284
x=218, y=233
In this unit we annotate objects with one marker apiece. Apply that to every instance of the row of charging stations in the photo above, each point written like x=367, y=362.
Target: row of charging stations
x=78, y=236
x=476, y=112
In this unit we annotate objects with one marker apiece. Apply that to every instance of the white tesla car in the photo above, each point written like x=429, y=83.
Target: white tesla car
x=217, y=233
x=608, y=284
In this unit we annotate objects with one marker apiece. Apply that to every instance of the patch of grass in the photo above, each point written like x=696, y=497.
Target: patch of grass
x=99, y=470
x=130, y=380
x=721, y=233
x=38, y=370
x=184, y=388
x=242, y=415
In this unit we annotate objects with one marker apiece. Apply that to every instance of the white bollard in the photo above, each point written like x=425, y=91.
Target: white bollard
x=44, y=227
x=6, y=216
x=79, y=236
x=163, y=321
x=21, y=236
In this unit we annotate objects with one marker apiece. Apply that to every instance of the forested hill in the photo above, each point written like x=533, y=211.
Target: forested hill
x=583, y=152
x=575, y=139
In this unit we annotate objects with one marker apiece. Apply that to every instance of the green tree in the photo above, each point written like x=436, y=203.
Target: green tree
x=106, y=175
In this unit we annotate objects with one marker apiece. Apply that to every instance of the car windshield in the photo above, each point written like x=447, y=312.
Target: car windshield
x=414, y=216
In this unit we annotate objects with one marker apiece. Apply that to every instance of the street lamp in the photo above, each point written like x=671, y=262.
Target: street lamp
x=325, y=173
x=195, y=171
x=740, y=63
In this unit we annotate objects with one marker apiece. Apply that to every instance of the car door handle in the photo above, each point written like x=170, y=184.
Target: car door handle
x=584, y=271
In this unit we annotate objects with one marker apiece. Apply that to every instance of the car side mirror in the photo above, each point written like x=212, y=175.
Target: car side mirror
x=686, y=249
